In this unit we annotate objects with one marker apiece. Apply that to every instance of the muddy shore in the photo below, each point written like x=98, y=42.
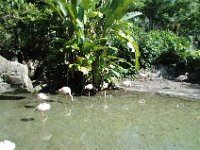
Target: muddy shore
x=167, y=87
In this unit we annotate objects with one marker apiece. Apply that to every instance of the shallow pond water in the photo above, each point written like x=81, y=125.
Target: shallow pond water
x=121, y=121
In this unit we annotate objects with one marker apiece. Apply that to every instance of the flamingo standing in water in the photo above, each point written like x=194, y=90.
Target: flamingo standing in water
x=104, y=86
x=7, y=145
x=66, y=91
x=42, y=96
x=126, y=84
x=89, y=87
x=43, y=107
x=142, y=76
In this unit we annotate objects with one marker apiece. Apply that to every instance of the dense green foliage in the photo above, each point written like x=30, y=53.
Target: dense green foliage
x=166, y=16
x=23, y=29
x=161, y=47
x=100, y=40
x=180, y=16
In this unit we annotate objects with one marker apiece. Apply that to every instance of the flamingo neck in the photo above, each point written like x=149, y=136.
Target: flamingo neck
x=71, y=96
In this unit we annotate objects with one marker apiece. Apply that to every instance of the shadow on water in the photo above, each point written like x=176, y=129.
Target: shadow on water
x=29, y=106
x=6, y=97
x=27, y=119
x=53, y=101
x=60, y=102
x=50, y=100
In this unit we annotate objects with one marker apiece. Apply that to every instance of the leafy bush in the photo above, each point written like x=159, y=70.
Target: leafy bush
x=162, y=47
x=23, y=29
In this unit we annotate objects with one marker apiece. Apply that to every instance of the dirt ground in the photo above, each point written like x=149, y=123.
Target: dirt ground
x=167, y=87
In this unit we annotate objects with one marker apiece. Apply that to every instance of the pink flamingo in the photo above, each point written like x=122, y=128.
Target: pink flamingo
x=89, y=87
x=66, y=91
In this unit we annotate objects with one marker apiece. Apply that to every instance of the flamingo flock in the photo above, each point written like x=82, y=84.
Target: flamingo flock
x=103, y=87
x=43, y=107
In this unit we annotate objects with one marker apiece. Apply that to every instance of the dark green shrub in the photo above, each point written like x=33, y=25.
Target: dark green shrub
x=23, y=30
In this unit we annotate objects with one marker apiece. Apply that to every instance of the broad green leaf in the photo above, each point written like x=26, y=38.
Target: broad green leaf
x=86, y=4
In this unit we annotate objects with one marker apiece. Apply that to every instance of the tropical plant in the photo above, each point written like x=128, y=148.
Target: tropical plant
x=91, y=30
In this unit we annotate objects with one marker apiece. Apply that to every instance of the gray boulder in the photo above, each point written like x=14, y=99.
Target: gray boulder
x=14, y=76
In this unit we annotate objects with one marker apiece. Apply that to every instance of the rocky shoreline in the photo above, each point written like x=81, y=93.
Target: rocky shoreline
x=14, y=76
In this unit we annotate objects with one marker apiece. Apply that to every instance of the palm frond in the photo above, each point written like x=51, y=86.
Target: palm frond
x=130, y=15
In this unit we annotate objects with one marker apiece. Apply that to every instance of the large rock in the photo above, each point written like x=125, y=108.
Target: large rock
x=14, y=75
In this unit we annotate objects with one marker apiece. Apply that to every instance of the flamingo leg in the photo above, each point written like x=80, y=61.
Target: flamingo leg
x=43, y=119
x=125, y=89
x=105, y=93
x=42, y=113
x=72, y=98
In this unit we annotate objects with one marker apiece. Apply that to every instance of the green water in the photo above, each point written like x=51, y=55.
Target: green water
x=122, y=121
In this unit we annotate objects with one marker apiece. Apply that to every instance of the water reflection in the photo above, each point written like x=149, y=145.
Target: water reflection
x=86, y=118
x=125, y=107
x=82, y=136
x=89, y=106
x=105, y=107
x=180, y=105
x=69, y=113
x=45, y=133
x=142, y=101
x=47, y=137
